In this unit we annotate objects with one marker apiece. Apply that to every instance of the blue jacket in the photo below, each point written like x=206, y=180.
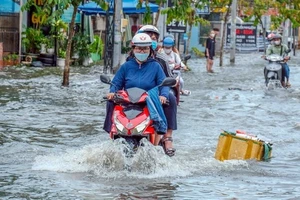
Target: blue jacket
x=145, y=76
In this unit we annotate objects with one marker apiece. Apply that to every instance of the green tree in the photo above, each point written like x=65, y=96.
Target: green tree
x=182, y=10
x=254, y=10
x=283, y=10
x=54, y=9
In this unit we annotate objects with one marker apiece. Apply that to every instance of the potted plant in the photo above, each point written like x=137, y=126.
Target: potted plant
x=15, y=58
x=81, y=44
x=61, y=57
x=62, y=47
x=44, y=43
x=7, y=60
x=10, y=59
x=50, y=45
x=125, y=47
x=96, y=48
x=124, y=51
x=32, y=39
x=59, y=33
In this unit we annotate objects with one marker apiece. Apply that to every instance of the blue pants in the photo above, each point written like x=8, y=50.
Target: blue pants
x=169, y=110
x=286, y=70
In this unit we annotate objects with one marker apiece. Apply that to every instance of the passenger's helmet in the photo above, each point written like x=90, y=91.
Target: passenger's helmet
x=277, y=36
x=141, y=40
x=270, y=36
x=168, y=42
x=149, y=28
x=170, y=36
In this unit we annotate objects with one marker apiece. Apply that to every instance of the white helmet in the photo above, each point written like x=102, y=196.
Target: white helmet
x=141, y=40
x=277, y=36
x=149, y=28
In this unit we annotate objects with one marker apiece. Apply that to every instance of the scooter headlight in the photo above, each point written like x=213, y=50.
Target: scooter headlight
x=139, y=129
x=119, y=125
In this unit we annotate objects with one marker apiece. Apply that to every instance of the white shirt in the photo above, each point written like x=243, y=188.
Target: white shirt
x=173, y=59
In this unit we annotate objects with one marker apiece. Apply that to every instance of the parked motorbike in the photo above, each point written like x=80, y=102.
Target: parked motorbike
x=131, y=119
x=273, y=70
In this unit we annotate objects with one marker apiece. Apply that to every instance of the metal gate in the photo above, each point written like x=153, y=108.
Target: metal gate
x=9, y=32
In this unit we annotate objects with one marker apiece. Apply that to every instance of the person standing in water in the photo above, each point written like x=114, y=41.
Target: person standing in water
x=210, y=52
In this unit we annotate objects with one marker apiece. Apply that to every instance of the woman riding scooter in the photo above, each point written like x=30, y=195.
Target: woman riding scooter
x=278, y=48
x=171, y=110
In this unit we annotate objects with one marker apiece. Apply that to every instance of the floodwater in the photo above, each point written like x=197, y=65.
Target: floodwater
x=52, y=145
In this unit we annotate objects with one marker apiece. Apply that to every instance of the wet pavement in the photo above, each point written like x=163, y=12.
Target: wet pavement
x=53, y=145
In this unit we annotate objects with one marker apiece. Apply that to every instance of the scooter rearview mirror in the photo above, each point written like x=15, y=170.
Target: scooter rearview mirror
x=105, y=79
x=187, y=57
x=168, y=82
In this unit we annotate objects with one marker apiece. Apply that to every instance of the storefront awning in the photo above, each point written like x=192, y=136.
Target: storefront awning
x=9, y=6
x=129, y=7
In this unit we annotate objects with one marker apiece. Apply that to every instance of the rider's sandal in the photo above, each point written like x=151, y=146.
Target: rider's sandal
x=186, y=92
x=288, y=85
x=169, y=151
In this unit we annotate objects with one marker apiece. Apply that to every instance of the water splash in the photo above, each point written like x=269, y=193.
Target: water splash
x=108, y=160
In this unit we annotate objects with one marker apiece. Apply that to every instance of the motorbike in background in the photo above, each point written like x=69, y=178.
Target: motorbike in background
x=131, y=118
x=273, y=70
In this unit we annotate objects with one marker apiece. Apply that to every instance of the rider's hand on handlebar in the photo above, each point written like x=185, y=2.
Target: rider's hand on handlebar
x=162, y=99
x=110, y=96
x=286, y=58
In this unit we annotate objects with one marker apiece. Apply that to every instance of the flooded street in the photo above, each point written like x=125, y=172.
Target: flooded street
x=52, y=145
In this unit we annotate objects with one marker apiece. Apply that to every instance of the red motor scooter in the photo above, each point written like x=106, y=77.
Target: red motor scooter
x=131, y=119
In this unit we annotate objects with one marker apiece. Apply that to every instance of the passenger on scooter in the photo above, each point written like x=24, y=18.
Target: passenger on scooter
x=140, y=70
x=171, y=109
x=175, y=63
x=175, y=50
x=270, y=38
x=278, y=48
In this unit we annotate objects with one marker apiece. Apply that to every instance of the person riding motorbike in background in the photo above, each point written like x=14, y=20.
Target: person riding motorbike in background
x=276, y=47
x=174, y=62
x=140, y=70
x=171, y=109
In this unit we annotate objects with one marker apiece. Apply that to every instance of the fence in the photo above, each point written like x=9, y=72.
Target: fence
x=9, y=32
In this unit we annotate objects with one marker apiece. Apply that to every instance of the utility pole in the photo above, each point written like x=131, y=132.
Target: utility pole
x=118, y=10
x=20, y=32
x=233, y=31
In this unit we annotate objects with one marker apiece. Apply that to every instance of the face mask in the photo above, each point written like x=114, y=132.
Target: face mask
x=212, y=35
x=154, y=44
x=277, y=42
x=167, y=51
x=141, y=56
